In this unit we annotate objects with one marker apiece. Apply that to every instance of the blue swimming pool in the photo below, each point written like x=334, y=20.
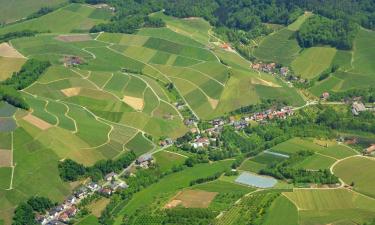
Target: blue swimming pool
x=256, y=180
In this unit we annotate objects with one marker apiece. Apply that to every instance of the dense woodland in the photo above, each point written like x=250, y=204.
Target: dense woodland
x=242, y=20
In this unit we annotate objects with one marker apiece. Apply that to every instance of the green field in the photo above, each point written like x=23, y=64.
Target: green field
x=14, y=10
x=169, y=185
x=331, y=206
x=167, y=160
x=280, y=47
x=313, y=61
x=70, y=18
x=358, y=170
x=278, y=211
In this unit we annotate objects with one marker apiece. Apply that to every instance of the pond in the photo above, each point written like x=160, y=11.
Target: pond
x=256, y=180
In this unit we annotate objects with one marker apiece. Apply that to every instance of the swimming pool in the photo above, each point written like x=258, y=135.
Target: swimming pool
x=256, y=180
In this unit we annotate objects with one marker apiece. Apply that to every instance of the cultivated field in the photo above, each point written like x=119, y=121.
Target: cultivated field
x=359, y=171
x=313, y=61
x=191, y=199
x=14, y=10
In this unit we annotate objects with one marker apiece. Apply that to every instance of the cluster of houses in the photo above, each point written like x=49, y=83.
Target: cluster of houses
x=61, y=214
x=269, y=114
x=270, y=68
x=72, y=61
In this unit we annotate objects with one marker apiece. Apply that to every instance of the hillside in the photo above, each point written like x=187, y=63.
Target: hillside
x=14, y=10
x=183, y=116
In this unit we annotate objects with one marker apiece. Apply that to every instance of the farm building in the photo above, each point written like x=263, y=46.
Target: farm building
x=325, y=96
x=358, y=107
x=370, y=150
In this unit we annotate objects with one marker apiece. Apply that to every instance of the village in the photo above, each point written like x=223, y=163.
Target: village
x=68, y=210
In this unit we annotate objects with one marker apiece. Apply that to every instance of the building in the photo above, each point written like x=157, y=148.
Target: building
x=358, y=107
x=106, y=191
x=144, y=158
x=284, y=71
x=93, y=186
x=325, y=96
x=370, y=150
x=71, y=199
x=109, y=176
x=201, y=142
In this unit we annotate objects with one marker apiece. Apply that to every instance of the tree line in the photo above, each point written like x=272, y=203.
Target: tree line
x=25, y=212
x=28, y=74
x=69, y=170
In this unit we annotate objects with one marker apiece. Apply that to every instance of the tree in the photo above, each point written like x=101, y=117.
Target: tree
x=40, y=204
x=24, y=215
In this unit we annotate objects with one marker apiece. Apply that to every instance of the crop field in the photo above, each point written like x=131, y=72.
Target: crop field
x=279, y=208
x=359, y=171
x=14, y=10
x=169, y=185
x=167, y=160
x=327, y=148
x=73, y=17
x=9, y=66
x=331, y=206
x=279, y=47
x=313, y=61
x=192, y=199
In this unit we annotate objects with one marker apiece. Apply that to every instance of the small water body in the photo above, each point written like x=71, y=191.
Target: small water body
x=256, y=180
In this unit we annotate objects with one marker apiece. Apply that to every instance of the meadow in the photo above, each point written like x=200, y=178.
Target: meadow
x=12, y=11
x=167, y=160
x=331, y=206
x=357, y=170
x=168, y=185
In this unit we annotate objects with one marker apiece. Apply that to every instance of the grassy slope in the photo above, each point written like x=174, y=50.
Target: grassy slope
x=63, y=20
x=360, y=171
x=279, y=209
x=11, y=11
x=169, y=184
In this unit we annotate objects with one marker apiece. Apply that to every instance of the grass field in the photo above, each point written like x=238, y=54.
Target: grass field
x=358, y=170
x=279, y=47
x=298, y=23
x=14, y=10
x=73, y=17
x=169, y=185
x=279, y=209
x=331, y=206
x=167, y=160
x=313, y=61
x=89, y=220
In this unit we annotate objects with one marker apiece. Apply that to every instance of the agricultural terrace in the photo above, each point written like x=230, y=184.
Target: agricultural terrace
x=357, y=171
x=325, y=206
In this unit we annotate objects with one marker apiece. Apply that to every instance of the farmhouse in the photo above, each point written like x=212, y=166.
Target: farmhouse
x=370, y=150
x=145, y=160
x=201, y=142
x=109, y=176
x=71, y=61
x=358, y=107
x=325, y=96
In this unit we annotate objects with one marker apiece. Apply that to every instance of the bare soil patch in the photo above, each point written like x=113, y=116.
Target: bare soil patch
x=41, y=124
x=5, y=158
x=8, y=51
x=70, y=92
x=74, y=38
x=192, y=199
x=135, y=103
x=263, y=82
x=213, y=102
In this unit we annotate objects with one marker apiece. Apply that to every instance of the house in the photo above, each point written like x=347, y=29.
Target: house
x=71, y=199
x=325, y=96
x=53, y=213
x=255, y=66
x=55, y=222
x=118, y=185
x=358, y=107
x=201, y=142
x=144, y=158
x=109, y=176
x=370, y=149
x=106, y=191
x=63, y=217
x=70, y=61
x=189, y=122
x=93, y=186
x=284, y=71
x=72, y=211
